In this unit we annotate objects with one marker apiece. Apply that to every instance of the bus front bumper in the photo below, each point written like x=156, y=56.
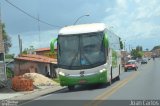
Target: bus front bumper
x=80, y=80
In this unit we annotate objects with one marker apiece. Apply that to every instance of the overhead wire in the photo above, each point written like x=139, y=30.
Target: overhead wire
x=31, y=16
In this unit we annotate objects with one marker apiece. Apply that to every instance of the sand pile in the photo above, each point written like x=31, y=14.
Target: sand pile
x=39, y=79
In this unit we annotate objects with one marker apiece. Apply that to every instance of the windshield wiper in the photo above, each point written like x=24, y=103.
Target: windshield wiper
x=73, y=59
x=87, y=59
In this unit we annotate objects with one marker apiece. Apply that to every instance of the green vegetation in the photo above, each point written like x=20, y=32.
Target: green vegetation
x=121, y=43
x=6, y=39
x=156, y=47
x=9, y=72
x=28, y=50
x=9, y=56
x=138, y=52
x=51, y=54
x=139, y=48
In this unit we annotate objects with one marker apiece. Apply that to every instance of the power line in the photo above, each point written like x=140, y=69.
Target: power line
x=39, y=29
x=44, y=22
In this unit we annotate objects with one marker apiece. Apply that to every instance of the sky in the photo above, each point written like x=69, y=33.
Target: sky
x=137, y=22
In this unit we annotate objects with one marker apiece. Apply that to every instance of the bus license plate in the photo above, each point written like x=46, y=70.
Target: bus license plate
x=82, y=81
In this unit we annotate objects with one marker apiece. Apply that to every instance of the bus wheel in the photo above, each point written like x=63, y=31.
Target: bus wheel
x=119, y=69
x=125, y=70
x=117, y=78
x=135, y=69
x=110, y=82
x=71, y=87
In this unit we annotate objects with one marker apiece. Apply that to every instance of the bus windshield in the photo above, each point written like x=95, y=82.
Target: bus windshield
x=81, y=51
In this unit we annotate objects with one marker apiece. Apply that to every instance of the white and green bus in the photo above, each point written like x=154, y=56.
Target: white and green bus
x=87, y=54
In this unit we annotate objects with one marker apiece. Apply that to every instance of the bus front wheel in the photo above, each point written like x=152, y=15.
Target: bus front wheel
x=118, y=78
x=110, y=81
x=135, y=69
x=71, y=87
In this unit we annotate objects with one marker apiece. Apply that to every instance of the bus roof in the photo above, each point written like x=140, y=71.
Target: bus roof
x=83, y=28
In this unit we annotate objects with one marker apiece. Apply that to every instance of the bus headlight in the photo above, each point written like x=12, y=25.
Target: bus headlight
x=101, y=71
x=61, y=73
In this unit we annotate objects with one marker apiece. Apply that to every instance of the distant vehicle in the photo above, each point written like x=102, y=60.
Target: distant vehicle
x=153, y=58
x=144, y=61
x=131, y=65
x=87, y=54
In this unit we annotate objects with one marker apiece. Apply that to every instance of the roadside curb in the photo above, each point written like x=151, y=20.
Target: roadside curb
x=35, y=94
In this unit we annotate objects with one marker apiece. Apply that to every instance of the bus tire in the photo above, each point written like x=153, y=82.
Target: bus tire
x=118, y=78
x=135, y=69
x=119, y=69
x=110, y=81
x=71, y=87
x=125, y=70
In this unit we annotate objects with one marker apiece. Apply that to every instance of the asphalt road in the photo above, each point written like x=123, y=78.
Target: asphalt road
x=143, y=84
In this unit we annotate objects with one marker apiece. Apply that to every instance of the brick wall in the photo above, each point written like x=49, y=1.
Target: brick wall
x=22, y=67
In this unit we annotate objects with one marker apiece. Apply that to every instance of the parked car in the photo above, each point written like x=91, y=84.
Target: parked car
x=131, y=65
x=144, y=61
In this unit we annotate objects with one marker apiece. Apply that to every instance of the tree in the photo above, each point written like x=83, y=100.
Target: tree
x=137, y=53
x=9, y=56
x=147, y=49
x=29, y=50
x=156, y=47
x=25, y=51
x=139, y=48
x=121, y=43
x=6, y=39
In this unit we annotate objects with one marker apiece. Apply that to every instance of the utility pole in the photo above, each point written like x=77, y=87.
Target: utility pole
x=129, y=48
x=20, y=44
x=124, y=46
x=1, y=36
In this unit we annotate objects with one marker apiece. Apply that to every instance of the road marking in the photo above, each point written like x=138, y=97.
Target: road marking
x=104, y=96
x=116, y=86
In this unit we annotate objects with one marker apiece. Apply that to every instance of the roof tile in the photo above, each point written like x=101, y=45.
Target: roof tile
x=37, y=58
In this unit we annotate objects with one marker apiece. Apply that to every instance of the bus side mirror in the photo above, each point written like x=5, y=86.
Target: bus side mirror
x=105, y=41
x=52, y=44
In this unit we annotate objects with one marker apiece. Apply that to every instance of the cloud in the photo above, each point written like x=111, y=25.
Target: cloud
x=135, y=20
x=122, y=4
x=149, y=10
x=55, y=12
